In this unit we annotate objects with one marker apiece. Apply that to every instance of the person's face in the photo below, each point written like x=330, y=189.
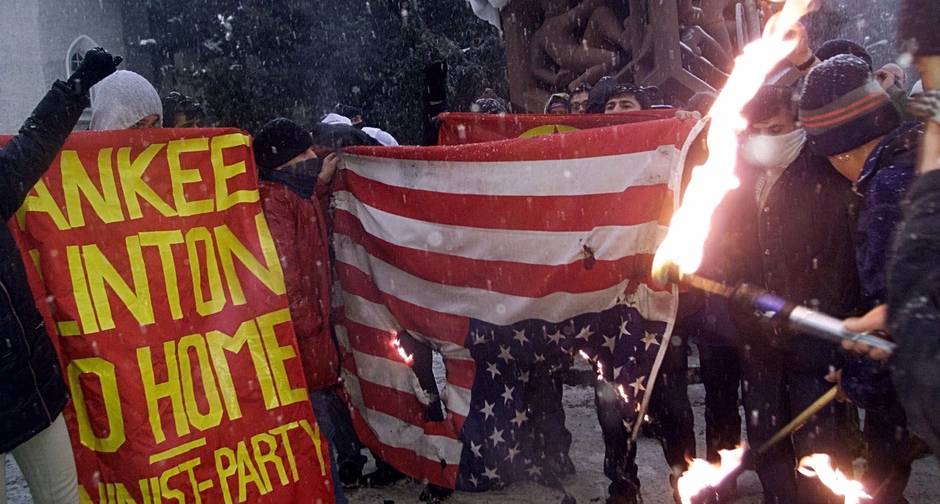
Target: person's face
x=579, y=102
x=356, y=119
x=780, y=124
x=181, y=120
x=622, y=103
x=890, y=75
x=558, y=109
x=151, y=121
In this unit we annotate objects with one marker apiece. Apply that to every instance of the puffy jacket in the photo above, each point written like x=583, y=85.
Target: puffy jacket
x=32, y=393
x=914, y=309
x=299, y=227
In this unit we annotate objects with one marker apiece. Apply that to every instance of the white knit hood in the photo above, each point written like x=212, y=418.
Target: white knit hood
x=121, y=100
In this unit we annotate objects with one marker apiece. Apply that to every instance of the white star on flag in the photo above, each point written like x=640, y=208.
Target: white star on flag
x=505, y=354
x=520, y=418
x=479, y=339
x=649, y=339
x=638, y=385
x=610, y=343
x=585, y=333
x=475, y=448
x=520, y=337
x=513, y=452
x=539, y=358
x=474, y=480
x=623, y=327
x=524, y=376
x=493, y=370
x=491, y=473
x=555, y=337
x=497, y=437
x=487, y=410
x=507, y=393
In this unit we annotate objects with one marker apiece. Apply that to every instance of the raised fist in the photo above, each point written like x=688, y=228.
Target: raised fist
x=97, y=64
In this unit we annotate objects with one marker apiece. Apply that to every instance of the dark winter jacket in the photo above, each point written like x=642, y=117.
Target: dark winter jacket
x=914, y=309
x=32, y=393
x=885, y=179
x=298, y=222
x=803, y=249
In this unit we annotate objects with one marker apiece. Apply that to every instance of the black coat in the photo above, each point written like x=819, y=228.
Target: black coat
x=804, y=249
x=32, y=393
x=914, y=309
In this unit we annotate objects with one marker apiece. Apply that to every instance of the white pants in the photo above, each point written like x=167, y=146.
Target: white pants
x=47, y=463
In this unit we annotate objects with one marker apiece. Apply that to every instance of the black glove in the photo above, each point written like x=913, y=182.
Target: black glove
x=96, y=65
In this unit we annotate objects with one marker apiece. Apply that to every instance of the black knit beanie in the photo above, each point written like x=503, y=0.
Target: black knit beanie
x=279, y=141
x=842, y=107
x=835, y=47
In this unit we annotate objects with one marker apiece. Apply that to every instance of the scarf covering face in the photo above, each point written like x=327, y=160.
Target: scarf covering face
x=771, y=152
x=299, y=177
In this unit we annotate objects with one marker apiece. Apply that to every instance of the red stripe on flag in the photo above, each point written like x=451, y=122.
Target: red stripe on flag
x=406, y=408
x=519, y=279
x=636, y=205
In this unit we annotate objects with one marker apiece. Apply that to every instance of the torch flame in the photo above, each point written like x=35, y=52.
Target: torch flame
x=818, y=465
x=405, y=356
x=684, y=243
x=703, y=474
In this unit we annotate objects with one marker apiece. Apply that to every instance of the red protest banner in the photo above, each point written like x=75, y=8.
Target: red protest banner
x=174, y=333
x=462, y=128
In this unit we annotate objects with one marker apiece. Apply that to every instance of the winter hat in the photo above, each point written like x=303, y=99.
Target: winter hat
x=835, y=47
x=279, y=141
x=122, y=99
x=383, y=137
x=558, y=99
x=842, y=106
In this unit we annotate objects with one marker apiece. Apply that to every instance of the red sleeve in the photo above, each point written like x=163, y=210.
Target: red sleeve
x=282, y=217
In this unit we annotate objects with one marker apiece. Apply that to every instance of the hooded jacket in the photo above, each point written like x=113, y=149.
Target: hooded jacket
x=32, y=393
x=121, y=100
x=299, y=226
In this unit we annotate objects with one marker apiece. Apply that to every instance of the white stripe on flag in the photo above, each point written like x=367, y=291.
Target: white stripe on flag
x=489, y=306
x=394, y=432
x=566, y=177
x=548, y=248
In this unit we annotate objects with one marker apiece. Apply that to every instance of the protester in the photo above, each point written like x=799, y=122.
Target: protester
x=490, y=103
x=353, y=113
x=380, y=136
x=803, y=256
x=32, y=393
x=850, y=119
x=181, y=111
x=626, y=98
x=558, y=103
x=125, y=100
x=295, y=186
x=579, y=99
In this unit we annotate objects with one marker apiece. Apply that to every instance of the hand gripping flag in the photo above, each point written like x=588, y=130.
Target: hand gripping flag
x=506, y=258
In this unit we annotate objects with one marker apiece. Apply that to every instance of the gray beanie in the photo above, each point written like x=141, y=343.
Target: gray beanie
x=121, y=100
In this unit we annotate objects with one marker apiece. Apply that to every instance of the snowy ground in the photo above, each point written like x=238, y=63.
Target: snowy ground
x=589, y=485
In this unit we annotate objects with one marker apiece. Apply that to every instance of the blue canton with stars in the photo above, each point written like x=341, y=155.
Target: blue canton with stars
x=499, y=445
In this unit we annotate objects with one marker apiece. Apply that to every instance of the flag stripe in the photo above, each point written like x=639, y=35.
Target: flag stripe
x=598, y=175
x=608, y=243
x=530, y=280
x=493, y=307
x=635, y=205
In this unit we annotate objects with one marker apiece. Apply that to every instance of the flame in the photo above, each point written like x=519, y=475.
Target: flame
x=703, y=474
x=818, y=465
x=684, y=243
x=405, y=356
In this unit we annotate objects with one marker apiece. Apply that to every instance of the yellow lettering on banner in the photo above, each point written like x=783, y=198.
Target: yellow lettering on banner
x=247, y=473
x=154, y=391
x=269, y=274
x=225, y=469
x=102, y=273
x=213, y=417
x=164, y=241
x=76, y=183
x=131, y=172
x=180, y=177
x=269, y=457
x=223, y=172
x=283, y=431
x=314, y=433
x=220, y=343
x=278, y=354
x=83, y=496
x=216, y=300
x=44, y=203
x=168, y=492
x=86, y=309
x=110, y=397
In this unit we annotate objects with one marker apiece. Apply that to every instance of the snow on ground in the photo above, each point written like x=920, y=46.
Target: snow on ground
x=589, y=485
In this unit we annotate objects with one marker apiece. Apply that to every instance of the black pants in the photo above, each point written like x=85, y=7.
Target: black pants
x=720, y=370
x=670, y=415
x=777, y=385
x=890, y=454
x=547, y=415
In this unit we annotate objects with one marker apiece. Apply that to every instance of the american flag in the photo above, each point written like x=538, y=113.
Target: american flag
x=502, y=256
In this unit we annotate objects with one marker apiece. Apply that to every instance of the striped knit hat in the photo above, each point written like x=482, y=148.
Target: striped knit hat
x=842, y=107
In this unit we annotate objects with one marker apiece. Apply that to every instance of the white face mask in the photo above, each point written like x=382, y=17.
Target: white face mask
x=773, y=151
